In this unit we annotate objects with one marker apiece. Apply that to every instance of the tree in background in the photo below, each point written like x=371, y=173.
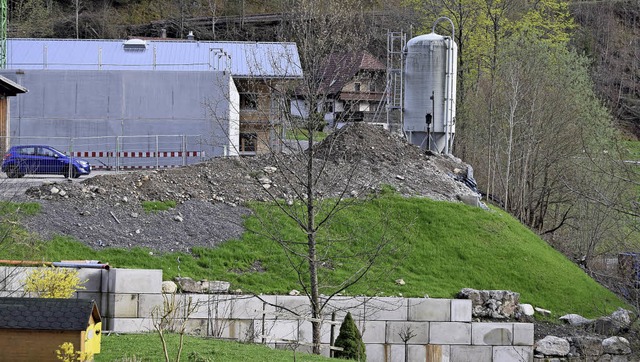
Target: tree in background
x=541, y=142
x=350, y=340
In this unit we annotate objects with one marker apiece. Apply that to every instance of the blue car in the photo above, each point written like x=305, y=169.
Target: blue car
x=40, y=159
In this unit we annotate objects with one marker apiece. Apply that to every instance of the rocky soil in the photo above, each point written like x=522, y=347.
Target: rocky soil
x=106, y=211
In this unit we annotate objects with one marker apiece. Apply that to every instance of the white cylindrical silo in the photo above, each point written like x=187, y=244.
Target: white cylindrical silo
x=429, y=91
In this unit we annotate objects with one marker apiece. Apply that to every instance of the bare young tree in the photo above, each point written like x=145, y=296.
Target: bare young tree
x=305, y=183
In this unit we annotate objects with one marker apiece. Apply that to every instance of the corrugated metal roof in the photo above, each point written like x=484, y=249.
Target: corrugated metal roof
x=243, y=59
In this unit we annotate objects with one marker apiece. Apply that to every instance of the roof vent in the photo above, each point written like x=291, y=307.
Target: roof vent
x=190, y=36
x=135, y=45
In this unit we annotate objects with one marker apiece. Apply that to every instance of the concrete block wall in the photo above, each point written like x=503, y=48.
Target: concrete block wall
x=440, y=329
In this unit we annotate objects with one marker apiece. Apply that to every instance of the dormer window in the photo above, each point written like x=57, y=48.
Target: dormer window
x=356, y=87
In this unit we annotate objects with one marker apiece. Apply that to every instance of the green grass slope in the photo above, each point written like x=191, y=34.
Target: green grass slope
x=440, y=248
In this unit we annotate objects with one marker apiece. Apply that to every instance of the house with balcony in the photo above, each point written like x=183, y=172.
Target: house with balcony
x=351, y=89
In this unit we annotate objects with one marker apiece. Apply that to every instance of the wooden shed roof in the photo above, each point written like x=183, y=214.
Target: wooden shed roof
x=47, y=313
x=10, y=88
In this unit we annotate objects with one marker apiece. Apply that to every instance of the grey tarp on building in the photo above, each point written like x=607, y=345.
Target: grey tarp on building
x=82, y=104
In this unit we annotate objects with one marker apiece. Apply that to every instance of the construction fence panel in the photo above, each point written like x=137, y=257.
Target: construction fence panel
x=125, y=152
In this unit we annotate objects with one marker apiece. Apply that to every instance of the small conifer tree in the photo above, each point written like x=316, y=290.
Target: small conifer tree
x=350, y=340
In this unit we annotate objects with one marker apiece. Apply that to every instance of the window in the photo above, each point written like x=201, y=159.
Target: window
x=372, y=87
x=248, y=142
x=46, y=152
x=356, y=86
x=248, y=101
x=326, y=107
x=29, y=151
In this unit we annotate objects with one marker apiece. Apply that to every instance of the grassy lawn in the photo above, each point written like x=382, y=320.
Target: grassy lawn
x=147, y=347
x=440, y=248
x=633, y=149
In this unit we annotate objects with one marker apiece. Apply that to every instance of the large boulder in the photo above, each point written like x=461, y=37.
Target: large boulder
x=169, y=287
x=575, y=319
x=552, y=346
x=498, y=304
x=585, y=346
x=616, y=345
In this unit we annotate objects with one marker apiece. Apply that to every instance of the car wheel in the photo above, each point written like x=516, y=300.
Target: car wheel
x=65, y=173
x=14, y=172
x=75, y=173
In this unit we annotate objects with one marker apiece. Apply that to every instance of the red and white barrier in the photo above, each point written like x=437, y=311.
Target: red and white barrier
x=137, y=154
x=126, y=154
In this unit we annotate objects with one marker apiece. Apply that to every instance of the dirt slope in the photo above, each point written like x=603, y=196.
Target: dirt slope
x=105, y=211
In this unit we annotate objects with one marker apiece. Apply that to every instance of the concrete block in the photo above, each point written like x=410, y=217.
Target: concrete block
x=305, y=332
x=461, y=310
x=138, y=281
x=342, y=305
x=471, y=353
x=523, y=334
x=438, y=353
x=147, y=303
x=123, y=306
x=15, y=278
x=131, y=325
x=104, y=283
x=512, y=353
x=245, y=307
x=91, y=278
x=278, y=330
x=196, y=326
x=296, y=304
x=492, y=334
x=378, y=352
x=241, y=330
x=416, y=352
x=14, y=294
x=201, y=305
x=373, y=331
x=397, y=330
x=437, y=310
x=95, y=296
x=3, y=275
x=386, y=309
x=396, y=352
x=449, y=333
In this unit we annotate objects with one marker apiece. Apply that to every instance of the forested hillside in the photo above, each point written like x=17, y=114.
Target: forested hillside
x=547, y=89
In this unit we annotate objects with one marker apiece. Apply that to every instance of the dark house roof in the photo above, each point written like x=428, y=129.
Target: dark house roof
x=340, y=68
x=10, y=88
x=47, y=313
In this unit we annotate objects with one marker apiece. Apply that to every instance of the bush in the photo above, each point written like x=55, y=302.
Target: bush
x=350, y=340
x=53, y=282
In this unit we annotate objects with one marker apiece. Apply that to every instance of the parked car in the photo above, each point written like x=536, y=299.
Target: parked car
x=40, y=159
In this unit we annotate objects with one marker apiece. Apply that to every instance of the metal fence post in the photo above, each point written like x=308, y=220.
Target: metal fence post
x=117, y=160
x=184, y=150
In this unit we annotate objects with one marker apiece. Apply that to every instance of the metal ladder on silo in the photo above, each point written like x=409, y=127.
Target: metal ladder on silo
x=396, y=42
